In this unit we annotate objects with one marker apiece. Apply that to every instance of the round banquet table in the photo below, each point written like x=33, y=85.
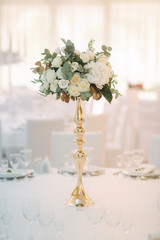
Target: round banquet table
x=136, y=199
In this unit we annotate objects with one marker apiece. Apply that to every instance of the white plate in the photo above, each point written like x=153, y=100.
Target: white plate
x=91, y=169
x=155, y=173
x=18, y=174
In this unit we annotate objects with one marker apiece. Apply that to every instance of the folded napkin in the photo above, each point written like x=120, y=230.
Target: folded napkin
x=42, y=165
x=155, y=236
x=144, y=169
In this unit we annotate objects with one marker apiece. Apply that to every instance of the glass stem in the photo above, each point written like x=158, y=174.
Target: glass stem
x=45, y=233
x=95, y=232
x=30, y=232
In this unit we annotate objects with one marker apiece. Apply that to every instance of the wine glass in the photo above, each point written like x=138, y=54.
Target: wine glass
x=26, y=155
x=138, y=158
x=46, y=218
x=3, y=209
x=112, y=218
x=31, y=211
x=127, y=225
x=6, y=221
x=4, y=166
x=120, y=160
x=128, y=159
x=14, y=160
x=95, y=215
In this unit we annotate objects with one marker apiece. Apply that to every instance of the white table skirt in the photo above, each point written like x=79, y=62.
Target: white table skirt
x=135, y=198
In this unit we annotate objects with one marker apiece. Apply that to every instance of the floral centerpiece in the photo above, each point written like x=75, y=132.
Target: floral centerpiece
x=69, y=73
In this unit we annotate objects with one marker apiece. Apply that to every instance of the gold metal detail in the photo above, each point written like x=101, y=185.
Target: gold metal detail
x=79, y=198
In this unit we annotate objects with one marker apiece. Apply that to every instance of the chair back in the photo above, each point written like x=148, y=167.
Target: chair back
x=39, y=135
x=154, y=150
x=62, y=143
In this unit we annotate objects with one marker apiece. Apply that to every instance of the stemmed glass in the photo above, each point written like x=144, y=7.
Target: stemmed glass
x=4, y=166
x=46, y=218
x=14, y=160
x=31, y=211
x=120, y=160
x=138, y=157
x=127, y=225
x=128, y=159
x=26, y=155
x=3, y=209
x=95, y=215
x=112, y=218
x=6, y=221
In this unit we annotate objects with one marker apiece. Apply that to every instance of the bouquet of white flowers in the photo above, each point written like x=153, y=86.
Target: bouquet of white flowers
x=69, y=73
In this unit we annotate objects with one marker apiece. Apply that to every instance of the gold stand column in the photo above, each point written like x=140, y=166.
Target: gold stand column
x=79, y=198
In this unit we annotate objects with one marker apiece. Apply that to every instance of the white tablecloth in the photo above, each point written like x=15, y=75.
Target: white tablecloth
x=135, y=198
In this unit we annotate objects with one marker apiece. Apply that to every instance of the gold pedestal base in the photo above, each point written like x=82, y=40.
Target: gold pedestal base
x=79, y=198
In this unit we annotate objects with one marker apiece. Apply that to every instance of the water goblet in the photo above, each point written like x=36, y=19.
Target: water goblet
x=95, y=215
x=31, y=211
x=6, y=221
x=112, y=218
x=120, y=160
x=128, y=159
x=4, y=166
x=14, y=160
x=46, y=218
x=26, y=155
x=127, y=225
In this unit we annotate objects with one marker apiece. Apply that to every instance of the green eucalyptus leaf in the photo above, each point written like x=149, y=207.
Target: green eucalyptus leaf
x=86, y=95
x=109, y=49
x=63, y=40
x=106, y=92
x=104, y=48
x=67, y=71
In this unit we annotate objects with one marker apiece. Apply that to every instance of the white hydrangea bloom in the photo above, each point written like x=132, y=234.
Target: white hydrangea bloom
x=58, y=50
x=57, y=62
x=74, y=66
x=54, y=86
x=99, y=73
x=50, y=75
x=59, y=73
x=90, y=54
x=84, y=57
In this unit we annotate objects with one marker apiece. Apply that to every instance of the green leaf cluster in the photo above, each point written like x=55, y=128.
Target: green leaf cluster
x=86, y=95
x=106, y=50
x=106, y=92
x=67, y=71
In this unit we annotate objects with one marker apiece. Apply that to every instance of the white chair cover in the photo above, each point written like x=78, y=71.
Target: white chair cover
x=0, y=143
x=39, y=135
x=154, y=150
x=62, y=143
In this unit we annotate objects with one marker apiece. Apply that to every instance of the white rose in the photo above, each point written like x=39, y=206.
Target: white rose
x=63, y=83
x=59, y=73
x=54, y=86
x=84, y=57
x=99, y=74
x=75, y=79
x=77, y=52
x=91, y=55
x=74, y=66
x=50, y=75
x=57, y=62
x=84, y=85
x=73, y=90
x=103, y=59
x=58, y=50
